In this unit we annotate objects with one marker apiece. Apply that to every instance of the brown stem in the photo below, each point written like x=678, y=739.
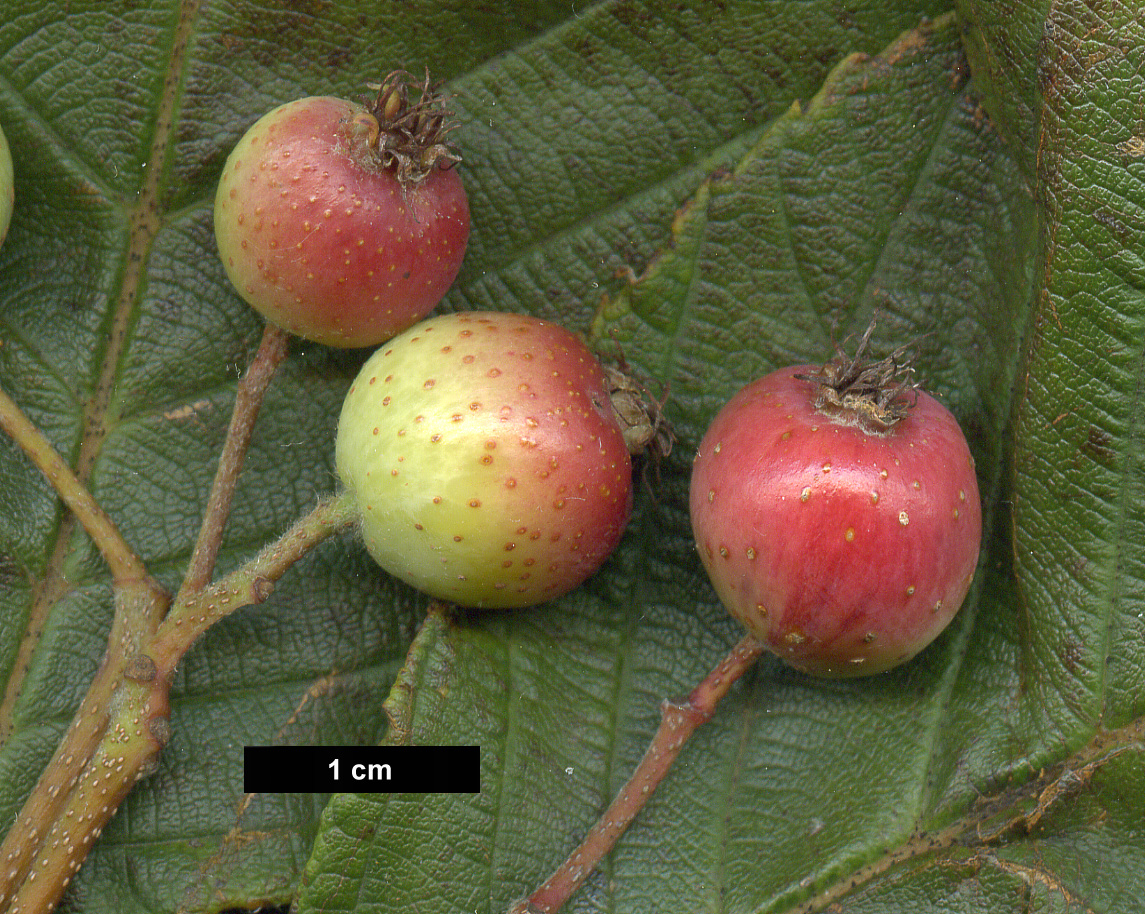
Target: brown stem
x=248, y=401
x=398, y=706
x=139, y=603
x=138, y=608
x=132, y=740
x=678, y=722
x=250, y=584
x=124, y=563
x=121, y=725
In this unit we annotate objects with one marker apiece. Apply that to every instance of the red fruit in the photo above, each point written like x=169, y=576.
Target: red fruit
x=839, y=523
x=485, y=459
x=340, y=223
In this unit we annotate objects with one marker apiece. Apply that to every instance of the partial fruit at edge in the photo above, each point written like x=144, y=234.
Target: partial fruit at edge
x=7, y=190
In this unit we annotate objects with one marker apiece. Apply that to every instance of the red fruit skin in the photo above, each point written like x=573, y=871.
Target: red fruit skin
x=325, y=243
x=845, y=552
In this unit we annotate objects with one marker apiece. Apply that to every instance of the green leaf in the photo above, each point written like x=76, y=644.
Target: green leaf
x=1004, y=43
x=892, y=190
x=741, y=184
x=1080, y=441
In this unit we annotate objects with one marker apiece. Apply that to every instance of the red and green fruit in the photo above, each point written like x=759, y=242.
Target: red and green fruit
x=342, y=223
x=485, y=459
x=836, y=511
x=7, y=194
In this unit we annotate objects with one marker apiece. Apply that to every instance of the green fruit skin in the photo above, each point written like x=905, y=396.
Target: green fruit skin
x=486, y=462
x=7, y=192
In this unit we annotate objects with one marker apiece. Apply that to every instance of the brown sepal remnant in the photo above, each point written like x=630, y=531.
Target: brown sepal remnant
x=874, y=395
x=411, y=133
x=639, y=414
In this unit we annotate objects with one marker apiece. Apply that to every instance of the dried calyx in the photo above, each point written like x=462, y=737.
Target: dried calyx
x=871, y=394
x=410, y=135
x=639, y=414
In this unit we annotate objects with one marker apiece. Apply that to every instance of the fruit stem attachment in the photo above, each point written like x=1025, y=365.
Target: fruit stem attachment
x=122, y=724
x=679, y=720
x=873, y=395
x=411, y=135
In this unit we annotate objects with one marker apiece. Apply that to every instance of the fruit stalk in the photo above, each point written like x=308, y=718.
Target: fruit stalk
x=248, y=401
x=679, y=720
x=139, y=603
x=399, y=704
x=246, y=586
